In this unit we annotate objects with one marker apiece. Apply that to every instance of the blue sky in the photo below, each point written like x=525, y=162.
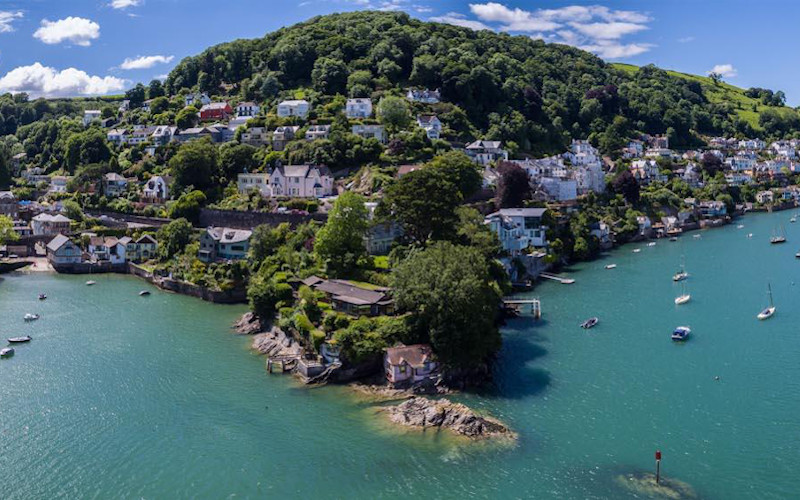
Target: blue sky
x=81, y=47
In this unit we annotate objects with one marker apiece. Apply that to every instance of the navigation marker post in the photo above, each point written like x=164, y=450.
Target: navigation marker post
x=658, y=466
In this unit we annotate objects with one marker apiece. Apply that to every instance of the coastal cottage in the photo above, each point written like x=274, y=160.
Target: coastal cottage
x=301, y=181
x=431, y=125
x=46, y=224
x=486, y=152
x=408, y=365
x=360, y=107
x=255, y=136
x=518, y=228
x=8, y=204
x=352, y=299
x=247, y=109
x=369, y=131
x=117, y=136
x=424, y=96
x=91, y=115
x=712, y=209
x=156, y=190
x=283, y=136
x=295, y=107
x=215, y=111
x=146, y=248
x=109, y=249
x=61, y=250
x=315, y=132
x=114, y=184
x=223, y=243
x=248, y=182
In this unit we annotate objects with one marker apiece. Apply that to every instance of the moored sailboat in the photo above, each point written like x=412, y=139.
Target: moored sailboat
x=769, y=310
x=778, y=237
x=683, y=297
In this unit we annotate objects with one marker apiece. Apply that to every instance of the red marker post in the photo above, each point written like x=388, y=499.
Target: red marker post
x=658, y=466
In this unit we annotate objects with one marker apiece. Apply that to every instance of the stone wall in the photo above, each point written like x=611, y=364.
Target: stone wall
x=137, y=219
x=90, y=268
x=248, y=220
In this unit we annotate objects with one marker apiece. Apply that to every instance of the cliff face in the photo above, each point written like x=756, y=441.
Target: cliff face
x=424, y=413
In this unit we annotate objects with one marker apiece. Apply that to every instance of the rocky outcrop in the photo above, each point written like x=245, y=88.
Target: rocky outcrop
x=248, y=324
x=276, y=343
x=444, y=414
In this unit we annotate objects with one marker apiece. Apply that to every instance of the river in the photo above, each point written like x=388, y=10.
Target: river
x=122, y=396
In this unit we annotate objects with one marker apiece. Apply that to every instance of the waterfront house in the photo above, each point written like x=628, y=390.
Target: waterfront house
x=47, y=224
x=61, y=250
x=407, y=365
x=223, y=243
x=91, y=115
x=301, y=181
x=315, y=132
x=369, y=131
x=602, y=232
x=295, y=107
x=146, y=248
x=645, y=226
x=8, y=204
x=155, y=190
x=247, y=109
x=712, y=209
x=255, y=136
x=107, y=249
x=197, y=99
x=424, y=96
x=518, y=229
x=283, y=136
x=353, y=299
x=431, y=125
x=765, y=197
x=486, y=152
x=114, y=184
x=360, y=107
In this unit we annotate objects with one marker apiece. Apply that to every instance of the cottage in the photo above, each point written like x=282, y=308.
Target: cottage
x=255, y=136
x=163, y=135
x=407, y=365
x=91, y=115
x=424, y=96
x=193, y=133
x=47, y=224
x=248, y=182
x=296, y=107
x=107, y=249
x=61, y=250
x=197, y=99
x=765, y=197
x=353, y=299
x=283, y=136
x=301, y=181
x=140, y=135
x=247, y=109
x=58, y=184
x=8, y=204
x=360, y=107
x=117, y=136
x=315, y=132
x=369, y=131
x=381, y=235
x=145, y=249
x=215, y=111
x=486, y=152
x=223, y=243
x=431, y=125
x=155, y=190
x=114, y=184
x=518, y=228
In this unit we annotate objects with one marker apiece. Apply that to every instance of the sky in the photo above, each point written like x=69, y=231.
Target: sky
x=58, y=48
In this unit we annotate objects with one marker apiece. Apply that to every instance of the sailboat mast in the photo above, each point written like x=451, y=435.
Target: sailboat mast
x=769, y=291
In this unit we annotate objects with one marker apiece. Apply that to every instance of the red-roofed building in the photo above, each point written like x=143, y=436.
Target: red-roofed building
x=216, y=111
x=409, y=364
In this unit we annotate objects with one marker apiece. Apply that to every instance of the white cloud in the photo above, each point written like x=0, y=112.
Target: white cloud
x=726, y=70
x=614, y=50
x=512, y=19
x=459, y=20
x=76, y=30
x=124, y=4
x=7, y=19
x=608, y=31
x=686, y=39
x=43, y=81
x=145, y=62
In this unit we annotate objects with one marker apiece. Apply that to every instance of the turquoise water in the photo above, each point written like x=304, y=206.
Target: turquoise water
x=121, y=396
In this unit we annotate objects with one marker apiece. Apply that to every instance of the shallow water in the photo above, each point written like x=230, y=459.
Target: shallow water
x=121, y=396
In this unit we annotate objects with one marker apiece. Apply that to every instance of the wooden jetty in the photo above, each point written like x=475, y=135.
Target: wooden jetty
x=521, y=305
x=561, y=279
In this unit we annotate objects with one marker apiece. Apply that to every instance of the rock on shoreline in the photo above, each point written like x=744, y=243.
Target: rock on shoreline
x=424, y=412
x=248, y=324
x=276, y=343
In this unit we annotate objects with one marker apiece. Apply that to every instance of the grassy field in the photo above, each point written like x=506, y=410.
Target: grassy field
x=746, y=108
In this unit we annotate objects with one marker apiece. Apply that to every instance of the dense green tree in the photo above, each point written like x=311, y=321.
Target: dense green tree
x=155, y=89
x=235, y=159
x=393, y=112
x=173, y=238
x=187, y=118
x=196, y=164
x=188, y=206
x=329, y=75
x=450, y=292
x=136, y=96
x=461, y=170
x=7, y=233
x=86, y=147
x=340, y=242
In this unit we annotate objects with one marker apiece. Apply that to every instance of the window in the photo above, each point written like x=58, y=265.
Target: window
x=402, y=368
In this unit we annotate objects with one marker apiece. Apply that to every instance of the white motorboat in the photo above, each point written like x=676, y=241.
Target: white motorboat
x=651, y=244
x=30, y=317
x=769, y=311
x=6, y=352
x=19, y=340
x=681, y=334
x=697, y=236
x=589, y=323
x=144, y=293
x=611, y=266
x=637, y=250
x=740, y=226
x=90, y=282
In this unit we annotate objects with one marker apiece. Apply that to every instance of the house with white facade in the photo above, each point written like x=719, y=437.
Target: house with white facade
x=61, y=250
x=114, y=184
x=301, y=181
x=91, y=115
x=163, y=135
x=424, y=96
x=106, y=249
x=314, y=132
x=742, y=161
x=370, y=131
x=486, y=152
x=247, y=109
x=256, y=136
x=224, y=243
x=58, y=184
x=765, y=197
x=295, y=107
x=155, y=190
x=752, y=144
x=248, y=182
x=431, y=125
x=117, y=136
x=197, y=100
x=360, y=107
x=518, y=229
x=48, y=224
x=647, y=171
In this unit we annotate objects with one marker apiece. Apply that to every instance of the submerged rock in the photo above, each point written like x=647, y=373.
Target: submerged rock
x=423, y=413
x=645, y=484
x=248, y=324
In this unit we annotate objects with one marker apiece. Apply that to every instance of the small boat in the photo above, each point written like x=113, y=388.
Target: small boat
x=749, y=235
x=651, y=244
x=793, y=220
x=769, y=311
x=19, y=340
x=611, y=266
x=684, y=297
x=797, y=255
x=740, y=226
x=6, y=352
x=637, y=250
x=567, y=281
x=30, y=317
x=674, y=238
x=697, y=236
x=90, y=282
x=589, y=323
x=681, y=334
x=144, y=293
x=42, y=296
x=778, y=237
x=681, y=274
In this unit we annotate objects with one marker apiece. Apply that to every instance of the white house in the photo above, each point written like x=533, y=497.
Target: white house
x=765, y=197
x=91, y=115
x=742, y=161
x=301, y=181
x=114, y=184
x=163, y=134
x=107, y=249
x=407, y=365
x=296, y=107
x=58, y=184
x=486, y=152
x=424, y=96
x=259, y=181
x=315, y=132
x=582, y=153
x=46, y=224
x=518, y=228
x=247, y=109
x=360, y=107
x=197, y=99
x=155, y=190
x=431, y=125
x=117, y=136
x=61, y=250
x=752, y=144
x=646, y=171
x=369, y=131
x=559, y=188
x=224, y=243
